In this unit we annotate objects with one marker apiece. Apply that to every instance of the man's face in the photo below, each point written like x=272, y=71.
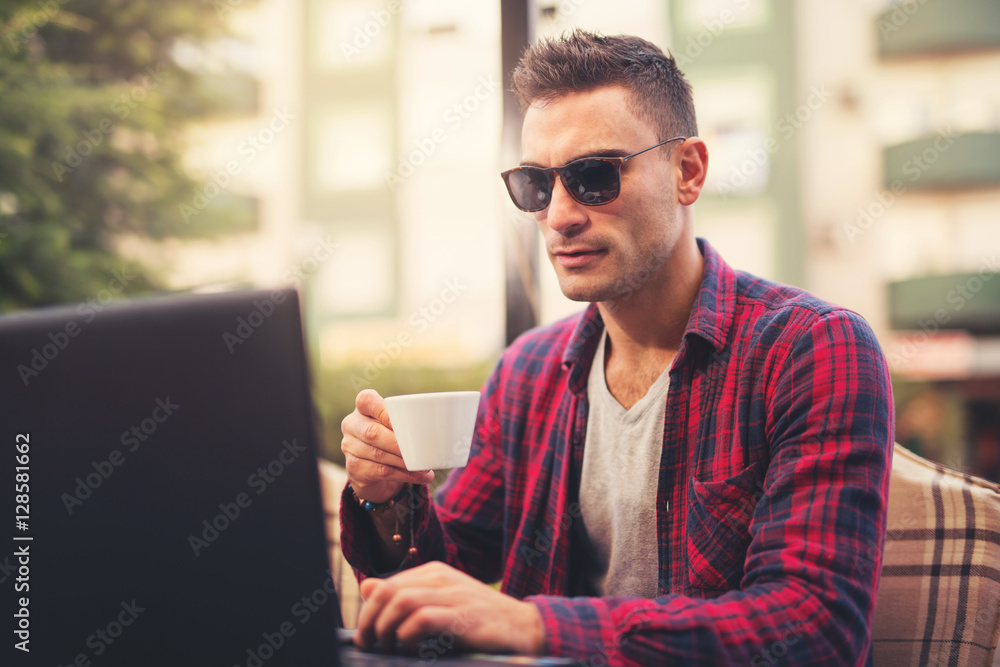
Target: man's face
x=601, y=253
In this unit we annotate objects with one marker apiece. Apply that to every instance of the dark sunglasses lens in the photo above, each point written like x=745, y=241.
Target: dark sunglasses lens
x=592, y=181
x=530, y=187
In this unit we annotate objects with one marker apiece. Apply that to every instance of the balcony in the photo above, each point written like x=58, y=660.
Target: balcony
x=922, y=28
x=967, y=301
x=944, y=162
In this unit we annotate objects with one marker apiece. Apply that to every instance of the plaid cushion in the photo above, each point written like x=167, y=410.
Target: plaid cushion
x=939, y=595
x=333, y=479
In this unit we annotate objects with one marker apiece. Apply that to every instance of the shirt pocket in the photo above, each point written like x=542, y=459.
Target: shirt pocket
x=718, y=521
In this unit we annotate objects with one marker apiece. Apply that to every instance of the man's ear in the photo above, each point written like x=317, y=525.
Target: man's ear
x=693, y=166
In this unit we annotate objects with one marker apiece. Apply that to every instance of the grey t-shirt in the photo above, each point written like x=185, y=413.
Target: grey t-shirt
x=621, y=469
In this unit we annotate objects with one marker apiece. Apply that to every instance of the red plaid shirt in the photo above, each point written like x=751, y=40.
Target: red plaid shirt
x=771, y=509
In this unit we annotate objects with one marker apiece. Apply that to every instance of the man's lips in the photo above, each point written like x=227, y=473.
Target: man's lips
x=577, y=257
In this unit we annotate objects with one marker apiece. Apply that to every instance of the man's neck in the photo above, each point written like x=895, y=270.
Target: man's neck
x=655, y=316
x=646, y=329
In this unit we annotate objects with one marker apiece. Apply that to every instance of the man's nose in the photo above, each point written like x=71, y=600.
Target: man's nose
x=563, y=212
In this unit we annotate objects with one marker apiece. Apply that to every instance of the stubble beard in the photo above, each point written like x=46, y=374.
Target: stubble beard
x=620, y=287
x=595, y=293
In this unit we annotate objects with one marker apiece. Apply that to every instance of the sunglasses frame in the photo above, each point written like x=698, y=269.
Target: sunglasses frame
x=615, y=162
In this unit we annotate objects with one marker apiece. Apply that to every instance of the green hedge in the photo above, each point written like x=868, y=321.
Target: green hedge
x=335, y=390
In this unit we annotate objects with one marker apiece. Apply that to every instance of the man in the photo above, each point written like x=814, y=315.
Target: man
x=695, y=468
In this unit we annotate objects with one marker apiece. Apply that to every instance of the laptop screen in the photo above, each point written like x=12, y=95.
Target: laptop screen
x=171, y=506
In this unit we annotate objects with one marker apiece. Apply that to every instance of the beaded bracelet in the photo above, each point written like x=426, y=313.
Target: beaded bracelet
x=388, y=504
x=380, y=507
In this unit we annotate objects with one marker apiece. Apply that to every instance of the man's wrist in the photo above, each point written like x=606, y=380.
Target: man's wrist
x=391, y=538
x=533, y=631
x=379, y=507
x=382, y=507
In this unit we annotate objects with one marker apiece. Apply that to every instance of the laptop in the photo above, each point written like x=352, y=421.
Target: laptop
x=163, y=494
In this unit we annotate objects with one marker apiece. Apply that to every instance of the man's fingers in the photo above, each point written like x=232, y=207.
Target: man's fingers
x=369, y=430
x=386, y=606
x=409, y=615
x=369, y=442
x=365, y=635
x=375, y=467
x=370, y=404
x=367, y=585
x=363, y=472
x=436, y=602
x=431, y=622
x=367, y=452
x=389, y=601
x=434, y=574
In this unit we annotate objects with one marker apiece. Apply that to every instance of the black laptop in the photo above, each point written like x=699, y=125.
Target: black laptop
x=163, y=498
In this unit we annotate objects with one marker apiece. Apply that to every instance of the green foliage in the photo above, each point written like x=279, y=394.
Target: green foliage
x=92, y=113
x=336, y=389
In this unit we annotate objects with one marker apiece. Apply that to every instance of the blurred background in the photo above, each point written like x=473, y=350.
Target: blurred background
x=353, y=148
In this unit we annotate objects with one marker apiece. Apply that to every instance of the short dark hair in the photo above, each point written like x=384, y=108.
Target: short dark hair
x=581, y=61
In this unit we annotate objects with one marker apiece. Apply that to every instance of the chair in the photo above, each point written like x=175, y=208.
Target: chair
x=939, y=595
x=333, y=480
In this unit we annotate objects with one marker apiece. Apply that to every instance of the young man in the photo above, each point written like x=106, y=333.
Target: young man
x=694, y=468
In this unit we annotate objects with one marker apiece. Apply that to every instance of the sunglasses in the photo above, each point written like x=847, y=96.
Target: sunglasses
x=592, y=181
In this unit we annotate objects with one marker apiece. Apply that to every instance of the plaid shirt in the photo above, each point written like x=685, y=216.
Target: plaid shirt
x=771, y=509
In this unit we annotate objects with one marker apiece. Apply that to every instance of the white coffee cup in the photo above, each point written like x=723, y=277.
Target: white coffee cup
x=434, y=431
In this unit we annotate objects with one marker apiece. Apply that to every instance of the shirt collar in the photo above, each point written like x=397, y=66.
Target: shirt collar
x=711, y=317
x=713, y=309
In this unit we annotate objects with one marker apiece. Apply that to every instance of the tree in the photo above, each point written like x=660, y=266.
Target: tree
x=93, y=108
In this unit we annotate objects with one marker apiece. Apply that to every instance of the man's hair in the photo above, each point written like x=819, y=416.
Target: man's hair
x=582, y=61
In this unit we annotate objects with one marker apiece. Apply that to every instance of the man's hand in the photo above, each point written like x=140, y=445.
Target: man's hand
x=374, y=465
x=435, y=598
